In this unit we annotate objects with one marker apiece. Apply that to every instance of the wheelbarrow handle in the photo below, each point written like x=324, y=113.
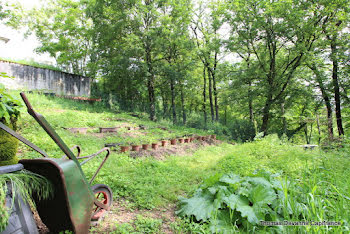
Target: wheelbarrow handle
x=22, y=139
x=73, y=148
x=49, y=130
x=88, y=158
x=26, y=101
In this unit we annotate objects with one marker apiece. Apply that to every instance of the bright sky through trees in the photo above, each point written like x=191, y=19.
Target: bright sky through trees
x=20, y=47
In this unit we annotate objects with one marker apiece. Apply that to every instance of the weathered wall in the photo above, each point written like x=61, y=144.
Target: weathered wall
x=33, y=78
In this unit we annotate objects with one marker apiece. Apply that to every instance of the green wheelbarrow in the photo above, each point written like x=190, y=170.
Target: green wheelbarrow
x=75, y=202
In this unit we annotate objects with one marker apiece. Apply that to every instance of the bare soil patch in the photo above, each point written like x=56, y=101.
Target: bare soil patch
x=120, y=213
x=179, y=149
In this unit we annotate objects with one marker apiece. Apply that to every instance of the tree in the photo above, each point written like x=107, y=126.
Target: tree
x=64, y=31
x=205, y=27
x=278, y=35
x=320, y=78
x=332, y=31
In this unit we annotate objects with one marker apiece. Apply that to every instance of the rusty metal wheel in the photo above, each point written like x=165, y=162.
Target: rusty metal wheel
x=104, y=196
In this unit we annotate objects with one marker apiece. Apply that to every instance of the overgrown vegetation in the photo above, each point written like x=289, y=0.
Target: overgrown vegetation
x=25, y=184
x=9, y=113
x=318, y=180
x=237, y=203
x=140, y=225
x=232, y=66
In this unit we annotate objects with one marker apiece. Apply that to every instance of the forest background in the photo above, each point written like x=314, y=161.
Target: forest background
x=236, y=67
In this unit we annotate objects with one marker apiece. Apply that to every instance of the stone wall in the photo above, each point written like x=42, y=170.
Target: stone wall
x=33, y=78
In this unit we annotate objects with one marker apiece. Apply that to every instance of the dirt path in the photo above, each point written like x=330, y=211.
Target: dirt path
x=120, y=213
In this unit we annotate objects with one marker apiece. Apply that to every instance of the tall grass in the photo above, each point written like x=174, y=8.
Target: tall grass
x=24, y=183
x=315, y=183
x=319, y=179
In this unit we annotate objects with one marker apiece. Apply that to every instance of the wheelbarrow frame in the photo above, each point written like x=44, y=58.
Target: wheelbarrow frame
x=72, y=205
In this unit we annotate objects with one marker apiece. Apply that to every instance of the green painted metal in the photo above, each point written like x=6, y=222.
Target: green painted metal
x=74, y=197
x=70, y=208
x=80, y=195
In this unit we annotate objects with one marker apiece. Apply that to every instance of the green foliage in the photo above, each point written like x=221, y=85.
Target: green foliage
x=8, y=148
x=233, y=201
x=166, y=58
x=26, y=184
x=308, y=181
x=240, y=203
x=241, y=130
x=9, y=105
x=9, y=113
x=237, y=129
x=64, y=32
x=150, y=183
x=186, y=225
x=139, y=225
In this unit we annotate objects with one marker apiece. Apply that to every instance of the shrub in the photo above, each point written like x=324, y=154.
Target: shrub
x=237, y=129
x=194, y=120
x=218, y=128
x=9, y=113
x=8, y=148
x=231, y=202
x=241, y=130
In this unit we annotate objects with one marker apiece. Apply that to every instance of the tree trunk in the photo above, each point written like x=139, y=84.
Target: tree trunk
x=152, y=106
x=211, y=96
x=250, y=104
x=326, y=100
x=266, y=113
x=306, y=136
x=204, y=96
x=214, y=88
x=284, y=121
x=318, y=128
x=150, y=85
x=225, y=121
x=183, y=104
x=334, y=57
x=165, y=105
x=173, y=106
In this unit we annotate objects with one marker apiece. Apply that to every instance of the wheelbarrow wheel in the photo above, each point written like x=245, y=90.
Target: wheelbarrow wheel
x=104, y=195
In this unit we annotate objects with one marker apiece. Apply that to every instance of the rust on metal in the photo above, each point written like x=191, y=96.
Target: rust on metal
x=73, y=198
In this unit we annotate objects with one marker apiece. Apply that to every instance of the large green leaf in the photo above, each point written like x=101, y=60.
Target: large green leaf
x=201, y=205
x=259, y=181
x=262, y=195
x=230, y=179
x=241, y=204
x=249, y=212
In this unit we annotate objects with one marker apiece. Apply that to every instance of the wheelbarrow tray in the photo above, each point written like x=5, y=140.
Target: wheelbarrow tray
x=70, y=207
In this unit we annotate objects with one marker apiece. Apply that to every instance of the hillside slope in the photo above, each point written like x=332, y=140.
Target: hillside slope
x=146, y=186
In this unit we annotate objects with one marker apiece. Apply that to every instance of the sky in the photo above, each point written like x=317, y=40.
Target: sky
x=20, y=48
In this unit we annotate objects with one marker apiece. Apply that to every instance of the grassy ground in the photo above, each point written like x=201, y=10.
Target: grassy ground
x=146, y=189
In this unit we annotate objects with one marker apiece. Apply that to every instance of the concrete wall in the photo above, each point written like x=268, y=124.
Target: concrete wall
x=33, y=78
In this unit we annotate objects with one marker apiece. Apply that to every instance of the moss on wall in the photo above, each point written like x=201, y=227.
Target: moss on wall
x=8, y=148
